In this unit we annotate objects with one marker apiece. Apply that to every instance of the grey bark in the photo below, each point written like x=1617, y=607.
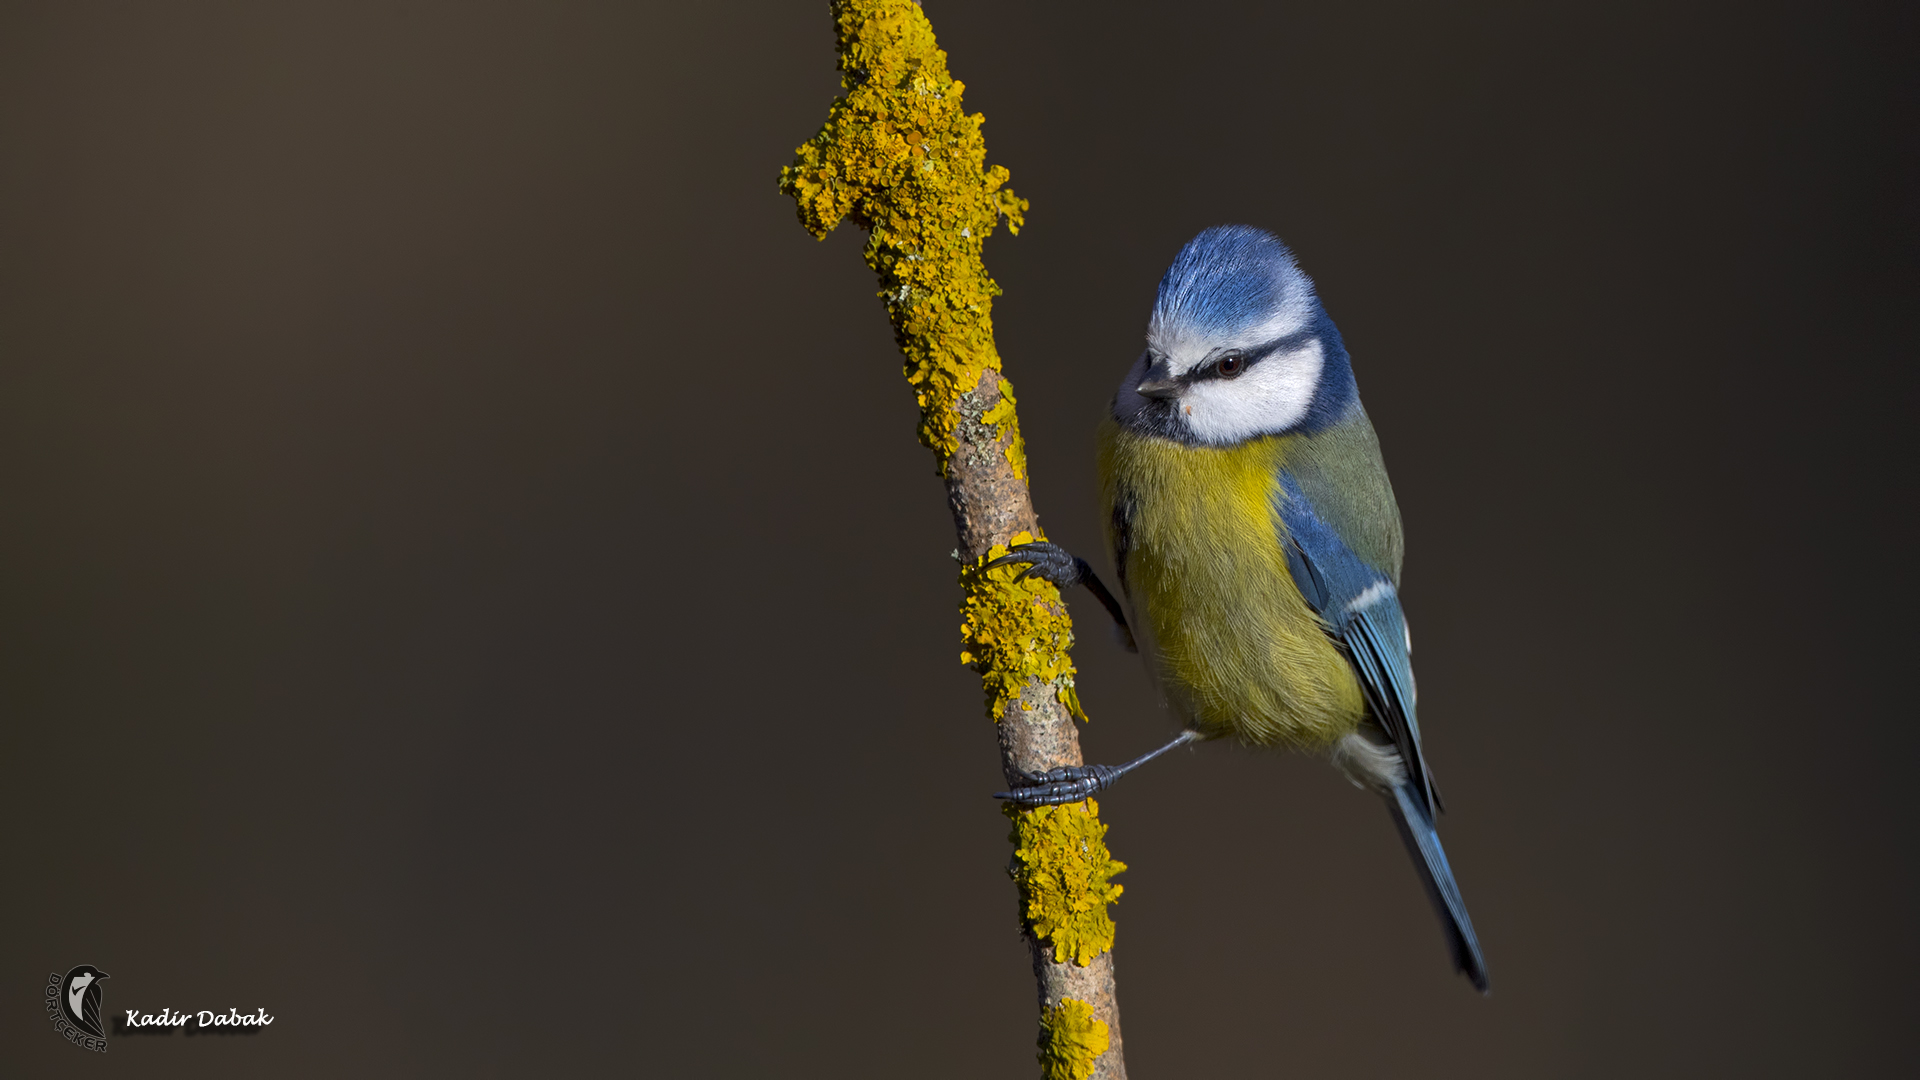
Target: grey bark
x=990, y=504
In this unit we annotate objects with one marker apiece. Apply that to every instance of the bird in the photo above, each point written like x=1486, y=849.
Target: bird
x=1258, y=545
x=82, y=1004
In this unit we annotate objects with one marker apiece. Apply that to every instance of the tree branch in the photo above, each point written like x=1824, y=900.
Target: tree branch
x=900, y=157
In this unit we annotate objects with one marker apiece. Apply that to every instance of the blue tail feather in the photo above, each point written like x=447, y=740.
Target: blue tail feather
x=1416, y=828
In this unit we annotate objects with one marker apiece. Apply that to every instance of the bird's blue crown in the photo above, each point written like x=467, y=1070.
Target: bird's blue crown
x=1228, y=279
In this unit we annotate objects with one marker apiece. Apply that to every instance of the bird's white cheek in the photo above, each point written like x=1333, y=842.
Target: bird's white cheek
x=1273, y=396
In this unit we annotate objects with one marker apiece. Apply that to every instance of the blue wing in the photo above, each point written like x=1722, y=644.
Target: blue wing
x=1361, y=608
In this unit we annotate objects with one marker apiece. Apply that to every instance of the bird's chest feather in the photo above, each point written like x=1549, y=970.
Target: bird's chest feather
x=1199, y=539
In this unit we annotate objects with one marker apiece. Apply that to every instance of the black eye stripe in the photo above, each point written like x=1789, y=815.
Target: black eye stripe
x=1249, y=357
x=1285, y=344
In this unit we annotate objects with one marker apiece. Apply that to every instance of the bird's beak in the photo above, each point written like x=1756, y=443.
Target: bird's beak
x=1158, y=389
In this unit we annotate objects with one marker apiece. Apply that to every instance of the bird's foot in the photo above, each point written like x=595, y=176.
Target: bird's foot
x=1051, y=562
x=1047, y=561
x=1072, y=783
x=1066, y=784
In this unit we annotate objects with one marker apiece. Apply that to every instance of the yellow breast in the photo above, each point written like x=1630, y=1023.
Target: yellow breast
x=1237, y=649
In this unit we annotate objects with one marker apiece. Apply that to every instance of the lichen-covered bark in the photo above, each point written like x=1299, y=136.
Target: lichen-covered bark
x=902, y=159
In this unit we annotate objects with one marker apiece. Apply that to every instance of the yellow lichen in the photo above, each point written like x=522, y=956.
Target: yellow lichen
x=901, y=158
x=1062, y=866
x=1016, y=444
x=1070, y=1038
x=1017, y=632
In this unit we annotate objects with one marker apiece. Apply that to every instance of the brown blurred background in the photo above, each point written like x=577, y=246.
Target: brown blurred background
x=470, y=586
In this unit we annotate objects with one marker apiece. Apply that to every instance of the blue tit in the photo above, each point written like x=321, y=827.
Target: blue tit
x=1258, y=543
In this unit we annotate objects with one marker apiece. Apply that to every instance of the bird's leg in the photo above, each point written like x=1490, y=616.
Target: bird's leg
x=1072, y=783
x=1051, y=562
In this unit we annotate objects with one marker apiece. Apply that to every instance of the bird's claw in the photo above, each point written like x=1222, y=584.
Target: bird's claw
x=1050, y=562
x=1047, y=560
x=1066, y=784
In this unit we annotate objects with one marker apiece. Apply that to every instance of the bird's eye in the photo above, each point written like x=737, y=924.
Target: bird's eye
x=1230, y=365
